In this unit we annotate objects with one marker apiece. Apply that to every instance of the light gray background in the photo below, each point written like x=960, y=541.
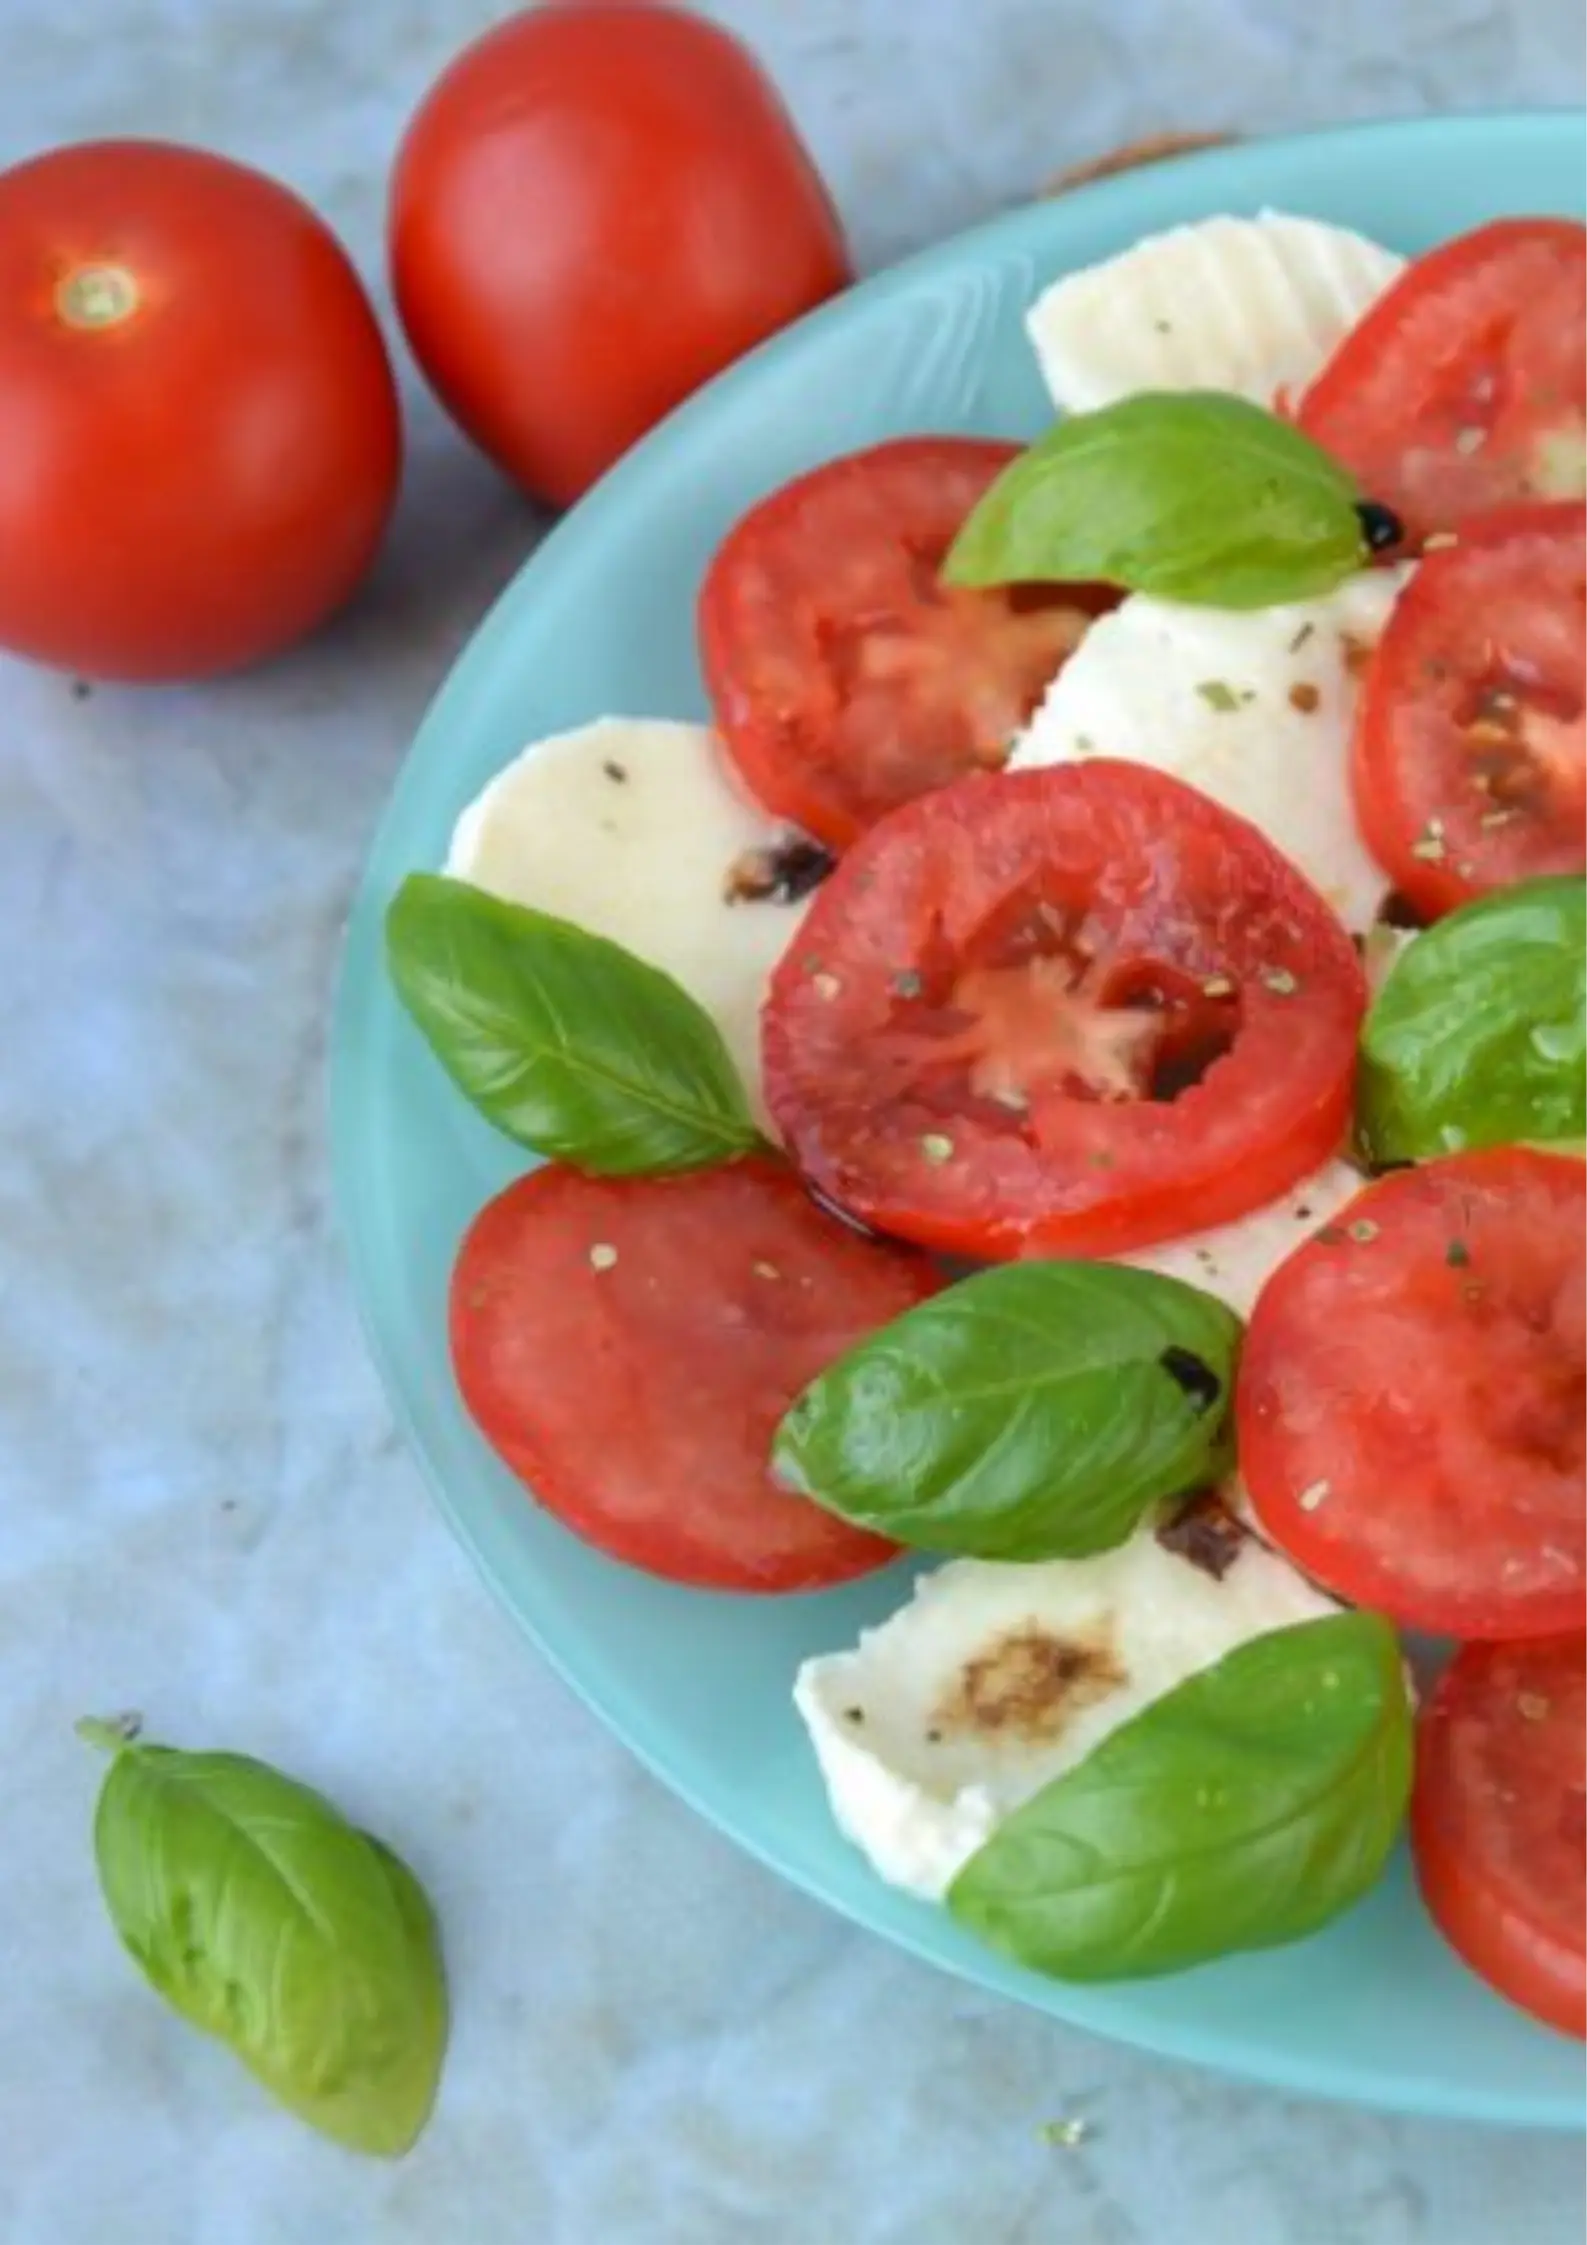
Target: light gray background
x=204, y=1512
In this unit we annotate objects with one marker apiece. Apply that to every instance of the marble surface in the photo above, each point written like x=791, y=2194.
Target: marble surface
x=206, y=1512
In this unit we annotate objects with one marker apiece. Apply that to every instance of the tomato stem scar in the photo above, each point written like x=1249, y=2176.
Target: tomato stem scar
x=96, y=296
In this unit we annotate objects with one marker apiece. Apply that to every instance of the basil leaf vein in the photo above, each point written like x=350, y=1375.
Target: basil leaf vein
x=562, y=1039
x=1036, y=1411
x=266, y=1919
x=1191, y=495
x=1243, y=1809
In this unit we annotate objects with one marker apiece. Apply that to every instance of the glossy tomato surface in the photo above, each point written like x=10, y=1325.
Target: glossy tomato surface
x=1465, y=386
x=598, y=206
x=1067, y=1011
x=1411, y=1395
x=192, y=374
x=1470, y=762
x=1499, y=1820
x=628, y=1346
x=845, y=677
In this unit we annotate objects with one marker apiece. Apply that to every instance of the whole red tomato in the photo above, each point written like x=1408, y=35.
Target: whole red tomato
x=598, y=206
x=199, y=431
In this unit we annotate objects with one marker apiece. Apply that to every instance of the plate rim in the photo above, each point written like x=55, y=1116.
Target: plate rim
x=1206, y=2046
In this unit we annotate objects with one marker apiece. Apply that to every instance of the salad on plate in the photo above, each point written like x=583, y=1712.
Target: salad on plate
x=1076, y=1076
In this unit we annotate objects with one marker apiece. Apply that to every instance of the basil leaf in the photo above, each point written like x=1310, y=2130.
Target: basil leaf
x=564, y=1041
x=1191, y=495
x=1031, y=1412
x=1479, y=1035
x=264, y=1917
x=1244, y=1808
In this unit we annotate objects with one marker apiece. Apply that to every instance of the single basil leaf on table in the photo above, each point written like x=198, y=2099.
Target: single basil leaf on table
x=1479, y=1035
x=264, y=1917
x=1192, y=495
x=1245, y=1808
x=563, y=1040
x=1035, y=1411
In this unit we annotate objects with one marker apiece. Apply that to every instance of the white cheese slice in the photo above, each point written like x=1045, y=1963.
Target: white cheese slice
x=1251, y=305
x=994, y=1679
x=1235, y=1261
x=1385, y=948
x=632, y=828
x=1254, y=707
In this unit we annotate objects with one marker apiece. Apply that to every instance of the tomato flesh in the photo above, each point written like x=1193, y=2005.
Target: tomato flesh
x=628, y=1346
x=1470, y=761
x=1465, y=386
x=1410, y=1403
x=1498, y=1819
x=845, y=677
x=1072, y=1010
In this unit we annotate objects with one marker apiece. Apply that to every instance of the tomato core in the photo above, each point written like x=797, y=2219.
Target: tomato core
x=97, y=296
x=1029, y=1020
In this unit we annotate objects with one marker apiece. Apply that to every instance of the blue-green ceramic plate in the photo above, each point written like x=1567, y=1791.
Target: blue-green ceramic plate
x=601, y=620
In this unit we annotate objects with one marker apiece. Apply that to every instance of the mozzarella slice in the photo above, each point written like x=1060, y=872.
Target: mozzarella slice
x=1254, y=708
x=1252, y=305
x=631, y=828
x=1235, y=1261
x=1385, y=948
x=994, y=1679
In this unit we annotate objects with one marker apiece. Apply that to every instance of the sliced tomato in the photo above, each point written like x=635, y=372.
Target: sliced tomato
x=844, y=677
x=1470, y=761
x=1465, y=386
x=628, y=1345
x=1409, y=1409
x=1072, y=1010
x=1498, y=1820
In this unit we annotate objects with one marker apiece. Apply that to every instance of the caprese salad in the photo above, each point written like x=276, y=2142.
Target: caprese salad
x=1148, y=865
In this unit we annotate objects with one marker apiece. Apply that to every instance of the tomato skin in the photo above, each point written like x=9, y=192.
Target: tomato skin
x=1006, y=897
x=1496, y=1821
x=210, y=476
x=600, y=204
x=1409, y=1407
x=1464, y=387
x=1469, y=764
x=845, y=678
x=628, y=1346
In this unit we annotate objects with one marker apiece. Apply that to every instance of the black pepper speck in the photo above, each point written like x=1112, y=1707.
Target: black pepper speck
x=1193, y=1374
x=1381, y=527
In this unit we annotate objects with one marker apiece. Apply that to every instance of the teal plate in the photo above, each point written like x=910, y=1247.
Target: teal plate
x=601, y=620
